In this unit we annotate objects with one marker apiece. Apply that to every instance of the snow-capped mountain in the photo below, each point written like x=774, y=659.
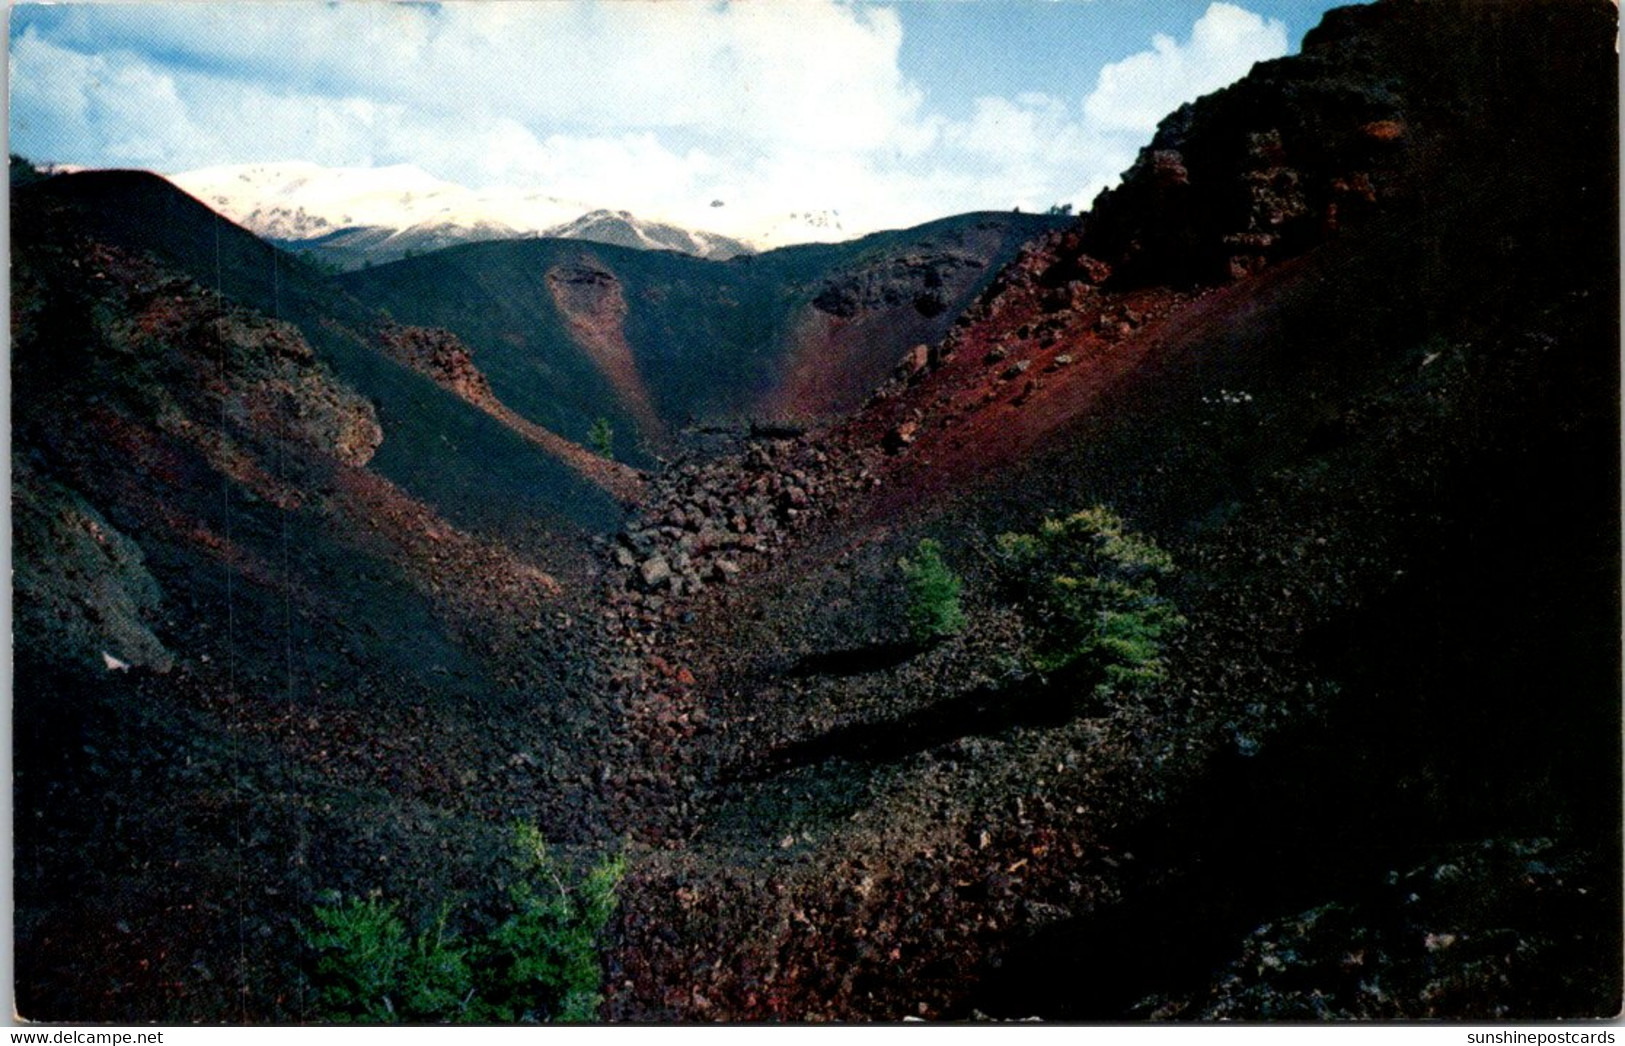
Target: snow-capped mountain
x=298, y=200
x=620, y=227
x=349, y=216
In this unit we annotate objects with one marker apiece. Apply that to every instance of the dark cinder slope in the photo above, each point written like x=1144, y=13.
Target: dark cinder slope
x=568, y=332
x=243, y=654
x=441, y=449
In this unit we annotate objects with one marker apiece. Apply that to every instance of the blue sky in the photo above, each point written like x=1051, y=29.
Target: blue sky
x=962, y=47
x=885, y=112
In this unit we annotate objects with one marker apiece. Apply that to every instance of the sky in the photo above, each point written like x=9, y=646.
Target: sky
x=887, y=113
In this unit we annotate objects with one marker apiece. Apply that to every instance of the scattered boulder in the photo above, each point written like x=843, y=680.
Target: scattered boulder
x=712, y=537
x=654, y=571
x=1092, y=270
x=901, y=436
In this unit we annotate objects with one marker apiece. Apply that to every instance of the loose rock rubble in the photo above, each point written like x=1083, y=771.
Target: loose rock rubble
x=707, y=523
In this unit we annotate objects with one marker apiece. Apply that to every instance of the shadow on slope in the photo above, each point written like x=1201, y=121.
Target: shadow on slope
x=465, y=463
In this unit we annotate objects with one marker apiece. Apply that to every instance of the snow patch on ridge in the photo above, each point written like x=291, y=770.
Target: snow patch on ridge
x=400, y=206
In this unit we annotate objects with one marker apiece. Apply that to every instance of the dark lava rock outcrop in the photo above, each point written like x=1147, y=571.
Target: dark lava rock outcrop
x=1381, y=98
x=924, y=280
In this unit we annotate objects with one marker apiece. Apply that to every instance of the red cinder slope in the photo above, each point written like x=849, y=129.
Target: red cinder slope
x=1345, y=344
x=589, y=298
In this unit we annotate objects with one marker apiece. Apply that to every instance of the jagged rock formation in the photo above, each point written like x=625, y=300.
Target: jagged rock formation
x=914, y=279
x=81, y=588
x=1363, y=121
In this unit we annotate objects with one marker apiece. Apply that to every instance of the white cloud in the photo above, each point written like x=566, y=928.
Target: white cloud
x=656, y=108
x=1024, y=128
x=813, y=74
x=111, y=104
x=1134, y=94
x=1043, y=150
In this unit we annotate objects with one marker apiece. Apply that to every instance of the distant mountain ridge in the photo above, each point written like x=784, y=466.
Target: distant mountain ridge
x=297, y=200
x=569, y=331
x=624, y=230
x=349, y=217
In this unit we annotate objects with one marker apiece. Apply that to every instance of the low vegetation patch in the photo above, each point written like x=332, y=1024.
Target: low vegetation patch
x=541, y=963
x=1088, y=588
x=934, y=611
x=601, y=439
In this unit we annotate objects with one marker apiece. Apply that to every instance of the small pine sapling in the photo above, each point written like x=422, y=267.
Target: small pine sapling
x=601, y=439
x=1088, y=587
x=934, y=610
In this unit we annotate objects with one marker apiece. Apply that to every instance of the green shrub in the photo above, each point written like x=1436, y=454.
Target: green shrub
x=541, y=963
x=933, y=594
x=601, y=439
x=439, y=981
x=1089, y=589
x=367, y=971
